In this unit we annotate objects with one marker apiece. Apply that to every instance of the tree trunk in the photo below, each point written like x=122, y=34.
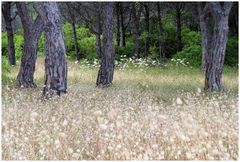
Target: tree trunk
x=136, y=31
x=32, y=32
x=123, y=28
x=106, y=70
x=6, y=10
x=118, y=24
x=77, y=53
x=213, y=73
x=147, y=29
x=98, y=45
x=55, y=61
x=179, y=28
x=162, y=55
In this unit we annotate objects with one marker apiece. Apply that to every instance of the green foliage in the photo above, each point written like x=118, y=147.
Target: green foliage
x=5, y=69
x=231, y=57
x=192, y=55
x=88, y=47
x=4, y=44
x=192, y=50
x=128, y=50
x=41, y=44
x=18, y=42
x=86, y=42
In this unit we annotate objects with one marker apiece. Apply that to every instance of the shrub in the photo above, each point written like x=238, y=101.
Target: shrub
x=231, y=57
x=18, y=41
x=5, y=69
x=88, y=47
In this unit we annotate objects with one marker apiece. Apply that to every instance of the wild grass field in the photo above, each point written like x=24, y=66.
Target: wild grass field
x=147, y=114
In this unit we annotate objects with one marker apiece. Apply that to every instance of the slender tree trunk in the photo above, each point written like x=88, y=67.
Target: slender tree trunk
x=32, y=32
x=123, y=28
x=136, y=31
x=147, y=29
x=161, y=38
x=179, y=28
x=213, y=73
x=77, y=53
x=55, y=61
x=105, y=73
x=118, y=25
x=6, y=10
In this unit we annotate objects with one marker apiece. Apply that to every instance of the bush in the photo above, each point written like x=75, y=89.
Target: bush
x=18, y=41
x=5, y=69
x=127, y=51
x=88, y=47
x=231, y=57
x=192, y=55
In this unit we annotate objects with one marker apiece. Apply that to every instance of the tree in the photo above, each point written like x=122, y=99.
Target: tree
x=55, y=61
x=136, y=13
x=32, y=32
x=178, y=9
x=162, y=55
x=147, y=29
x=70, y=16
x=91, y=14
x=106, y=70
x=118, y=35
x=125, y=19
x=6, y=10
x=214, y=41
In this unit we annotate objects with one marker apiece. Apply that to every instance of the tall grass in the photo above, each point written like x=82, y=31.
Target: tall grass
x=149, y=114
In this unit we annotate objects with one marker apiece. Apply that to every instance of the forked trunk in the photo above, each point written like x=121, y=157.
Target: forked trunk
x=55, y=61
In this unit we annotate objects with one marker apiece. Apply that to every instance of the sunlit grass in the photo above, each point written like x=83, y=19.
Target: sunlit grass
x=154, y=114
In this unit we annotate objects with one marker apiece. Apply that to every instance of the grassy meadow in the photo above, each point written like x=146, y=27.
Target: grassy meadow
x=149, y=113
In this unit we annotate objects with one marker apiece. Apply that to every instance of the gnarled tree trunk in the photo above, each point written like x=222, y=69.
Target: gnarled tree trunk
x=55, y=61
x=105, y=73
x=118, y=35
x=32, y=32
x=6, y=10
x=213, y=73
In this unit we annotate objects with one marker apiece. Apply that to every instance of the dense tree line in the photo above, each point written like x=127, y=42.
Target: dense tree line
x=114, y=22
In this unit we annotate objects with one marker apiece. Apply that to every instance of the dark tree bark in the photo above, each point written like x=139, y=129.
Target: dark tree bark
x=123, y=28
x=6, y=10
x=147, y=29
x=32, y=32
x=213, y=73
x=179, y=26
x=105, y=73
x=162, y=55
x=118, y=36
x=73, y=22
x=77, y=53
x=55, y=61
x=98, y=37
x=135, y=28
x=206, y=32
x=125, y=19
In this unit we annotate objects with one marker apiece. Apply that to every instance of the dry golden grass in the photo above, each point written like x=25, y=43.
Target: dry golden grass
x=152, y=115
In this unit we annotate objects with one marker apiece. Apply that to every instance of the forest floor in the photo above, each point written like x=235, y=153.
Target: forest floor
x=149, y=114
